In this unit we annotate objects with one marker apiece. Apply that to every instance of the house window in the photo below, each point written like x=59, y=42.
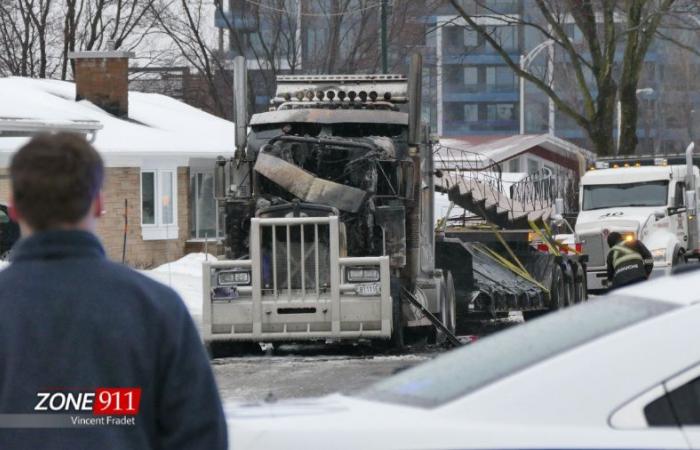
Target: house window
x=159, y=204
x=514, y=165
x=148, y=198
x=532, y=165
x=204, y=208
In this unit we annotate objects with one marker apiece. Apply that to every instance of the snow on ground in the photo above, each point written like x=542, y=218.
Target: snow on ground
x=185, y=277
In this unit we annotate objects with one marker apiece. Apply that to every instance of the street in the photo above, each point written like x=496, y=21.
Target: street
x=313, y=370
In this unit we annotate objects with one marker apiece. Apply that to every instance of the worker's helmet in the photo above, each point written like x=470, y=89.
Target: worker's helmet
x=614, y=238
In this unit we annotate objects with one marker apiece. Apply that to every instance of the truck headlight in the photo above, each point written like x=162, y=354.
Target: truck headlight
x=362, y=274
x=628, y=236
x=233, y=277
x=659, y=254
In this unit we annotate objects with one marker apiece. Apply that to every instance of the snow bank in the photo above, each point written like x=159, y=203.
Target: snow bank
x=185, y=277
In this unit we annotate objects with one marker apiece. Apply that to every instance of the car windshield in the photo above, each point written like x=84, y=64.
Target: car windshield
x=649, y=193
x=463, y=371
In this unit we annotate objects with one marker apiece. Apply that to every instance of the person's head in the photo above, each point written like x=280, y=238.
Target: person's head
x=56, y=181
x=614, y=238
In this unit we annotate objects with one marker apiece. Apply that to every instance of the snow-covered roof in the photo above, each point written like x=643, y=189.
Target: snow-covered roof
x=157, y=125
x=486, y=152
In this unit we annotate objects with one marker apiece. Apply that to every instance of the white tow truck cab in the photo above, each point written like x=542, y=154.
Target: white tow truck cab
x=650, y=200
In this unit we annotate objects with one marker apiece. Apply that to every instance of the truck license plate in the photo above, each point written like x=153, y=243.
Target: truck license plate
x=368, y=289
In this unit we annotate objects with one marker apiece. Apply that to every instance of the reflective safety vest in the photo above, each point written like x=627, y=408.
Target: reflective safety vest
x=623, y=254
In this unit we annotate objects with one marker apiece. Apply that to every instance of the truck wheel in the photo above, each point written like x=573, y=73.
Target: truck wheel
x=556, y=289
x=224, y=349
x=678, y=257
x=397, y=336
x=580, y=291
x=569, y=280
x=448, y=306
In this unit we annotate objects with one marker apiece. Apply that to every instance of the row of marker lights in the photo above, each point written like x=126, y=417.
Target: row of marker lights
x=330, y=95
x=606, y=165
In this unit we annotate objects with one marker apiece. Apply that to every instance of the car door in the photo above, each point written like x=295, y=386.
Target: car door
x=682, y=399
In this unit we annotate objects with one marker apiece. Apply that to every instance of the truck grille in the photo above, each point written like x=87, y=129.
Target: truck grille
x=596, y=248
x=295, y=259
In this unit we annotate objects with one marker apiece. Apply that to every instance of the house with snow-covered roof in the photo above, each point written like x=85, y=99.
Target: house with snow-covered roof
x=159, y=154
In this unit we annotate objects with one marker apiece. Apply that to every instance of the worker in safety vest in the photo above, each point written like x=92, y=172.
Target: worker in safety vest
x=629, y=261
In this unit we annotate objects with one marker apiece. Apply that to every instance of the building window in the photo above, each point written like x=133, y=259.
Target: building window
x=500, y=78
x=159, y=204
x=471, y=38
x=507, y=36
x=204, y=217
x=471, y=112
x=471, y=76
x=500, y=111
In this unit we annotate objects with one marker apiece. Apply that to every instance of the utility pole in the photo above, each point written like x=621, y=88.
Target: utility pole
x=385, y=52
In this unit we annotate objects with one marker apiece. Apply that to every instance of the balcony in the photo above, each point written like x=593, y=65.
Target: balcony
x=474, y=58
x=461, y=128
x=460, y=94
x=238, y=19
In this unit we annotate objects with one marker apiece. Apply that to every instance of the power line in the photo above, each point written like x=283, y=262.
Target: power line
x=329, y=14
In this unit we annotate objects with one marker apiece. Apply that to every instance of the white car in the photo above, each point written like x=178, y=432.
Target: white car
x=618, y=372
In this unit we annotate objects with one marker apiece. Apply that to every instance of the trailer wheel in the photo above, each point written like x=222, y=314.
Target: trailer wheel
x=448, y=306
x=580, y=290
x=569, y=282
x=557, y=289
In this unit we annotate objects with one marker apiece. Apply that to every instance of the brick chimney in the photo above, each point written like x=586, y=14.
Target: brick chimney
x=101, y=77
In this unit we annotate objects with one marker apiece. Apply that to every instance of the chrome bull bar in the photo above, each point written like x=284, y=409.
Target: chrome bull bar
x=298, y=288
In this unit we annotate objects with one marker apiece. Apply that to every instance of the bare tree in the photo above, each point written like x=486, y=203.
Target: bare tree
x=37, y=35
x=606, y=69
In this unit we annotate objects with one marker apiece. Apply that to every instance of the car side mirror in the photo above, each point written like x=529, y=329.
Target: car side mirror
x=672, y=210
x=659, y=214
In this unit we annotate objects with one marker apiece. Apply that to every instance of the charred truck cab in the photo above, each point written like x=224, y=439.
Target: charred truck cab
x=328, y=214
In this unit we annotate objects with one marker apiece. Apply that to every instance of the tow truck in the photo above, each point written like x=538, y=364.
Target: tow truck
x=653, y=199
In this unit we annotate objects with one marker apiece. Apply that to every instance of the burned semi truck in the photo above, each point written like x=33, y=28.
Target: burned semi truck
x=328, y=202
x=328, y=215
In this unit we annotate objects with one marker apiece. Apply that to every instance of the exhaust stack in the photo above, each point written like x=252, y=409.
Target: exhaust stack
x=415, y=78
x=240, y=105
x=691, y=199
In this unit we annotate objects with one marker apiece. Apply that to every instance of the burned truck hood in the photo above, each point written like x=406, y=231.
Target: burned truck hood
x=330, y=116
x=307, y=187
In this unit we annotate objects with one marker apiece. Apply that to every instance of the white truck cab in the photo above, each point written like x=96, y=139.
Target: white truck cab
x=653, y=203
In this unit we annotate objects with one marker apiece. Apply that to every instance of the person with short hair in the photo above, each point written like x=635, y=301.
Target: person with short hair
x=628, y=262
x=73, y=322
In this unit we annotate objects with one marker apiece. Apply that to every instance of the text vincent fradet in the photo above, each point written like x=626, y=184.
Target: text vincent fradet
x=96, y=421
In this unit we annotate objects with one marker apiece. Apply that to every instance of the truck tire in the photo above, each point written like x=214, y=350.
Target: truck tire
x=580, y=291
x=569, y=279
x=557, y=289
x=678, y=257
x=397, y=332
x=448, y=306
x=228, y=349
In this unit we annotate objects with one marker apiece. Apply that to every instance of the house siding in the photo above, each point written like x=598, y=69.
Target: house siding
x=123, y=183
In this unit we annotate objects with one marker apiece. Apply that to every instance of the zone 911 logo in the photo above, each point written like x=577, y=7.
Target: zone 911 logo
x=103, y=401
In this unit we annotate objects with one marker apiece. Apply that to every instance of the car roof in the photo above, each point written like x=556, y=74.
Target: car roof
x=680, y=289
